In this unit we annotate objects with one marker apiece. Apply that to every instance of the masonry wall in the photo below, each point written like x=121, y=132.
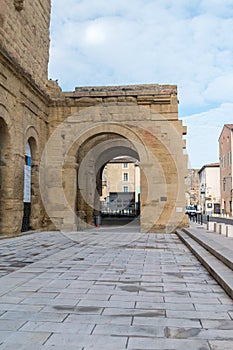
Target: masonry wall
x=24, y=113
x=24, y=45
x=24, y=35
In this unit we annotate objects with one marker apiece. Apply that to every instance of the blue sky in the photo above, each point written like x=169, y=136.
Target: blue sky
x=183, y=42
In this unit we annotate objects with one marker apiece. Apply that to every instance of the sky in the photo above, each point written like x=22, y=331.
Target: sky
x=183, y=42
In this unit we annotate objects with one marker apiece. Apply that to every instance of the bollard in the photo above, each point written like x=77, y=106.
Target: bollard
x=220, y=229
x=215, y=227
x=230, y=231
x=226, y=231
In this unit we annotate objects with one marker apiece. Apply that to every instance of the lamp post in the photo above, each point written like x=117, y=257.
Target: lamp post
x=202, y=196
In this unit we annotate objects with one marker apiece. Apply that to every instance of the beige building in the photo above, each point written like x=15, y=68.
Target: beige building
x=121, y=186
x=209, y=176
x=226, y=170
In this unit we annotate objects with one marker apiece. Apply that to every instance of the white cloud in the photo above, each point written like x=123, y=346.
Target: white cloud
x=95, y=34
x=143, y=41
x=221, y=88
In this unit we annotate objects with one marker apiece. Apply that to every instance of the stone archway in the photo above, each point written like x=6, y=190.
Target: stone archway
x=92, y=156
x=81, y=138
x=34, y=198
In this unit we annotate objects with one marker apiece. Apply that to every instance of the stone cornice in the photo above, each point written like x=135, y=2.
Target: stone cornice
x=125, y=90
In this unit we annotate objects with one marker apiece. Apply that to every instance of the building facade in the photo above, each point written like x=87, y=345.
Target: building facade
x=209, y=176
x=121, y=187
x=226, y=170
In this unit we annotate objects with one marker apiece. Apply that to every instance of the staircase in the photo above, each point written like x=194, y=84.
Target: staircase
x=214, y=251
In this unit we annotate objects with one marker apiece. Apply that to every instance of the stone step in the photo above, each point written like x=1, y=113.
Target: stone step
x=219, y=246
x=217, y=268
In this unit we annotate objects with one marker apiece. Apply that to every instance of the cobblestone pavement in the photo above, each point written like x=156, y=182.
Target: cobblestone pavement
x=109, y=290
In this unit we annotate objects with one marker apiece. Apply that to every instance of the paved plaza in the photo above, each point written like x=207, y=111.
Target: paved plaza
x=109, y=288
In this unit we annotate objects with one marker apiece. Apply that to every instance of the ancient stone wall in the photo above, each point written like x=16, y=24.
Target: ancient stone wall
x=24, y=35
x=23, y=118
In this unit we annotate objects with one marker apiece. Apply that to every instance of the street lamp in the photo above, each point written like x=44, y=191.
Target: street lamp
x=202, y=196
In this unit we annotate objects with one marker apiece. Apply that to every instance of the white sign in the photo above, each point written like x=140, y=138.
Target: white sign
x=27, y=175
x=179, y=210
x=27, y=184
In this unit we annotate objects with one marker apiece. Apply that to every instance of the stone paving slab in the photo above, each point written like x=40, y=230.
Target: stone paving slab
x=109, y=290
x=221, y=345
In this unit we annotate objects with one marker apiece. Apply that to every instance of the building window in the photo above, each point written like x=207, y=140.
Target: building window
x=125, y=165
x=223, y=162
x=126, y=189
x=229, y=158
x=125, y=176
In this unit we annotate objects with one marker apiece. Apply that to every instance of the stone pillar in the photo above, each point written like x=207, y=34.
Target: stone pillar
x=13, y=203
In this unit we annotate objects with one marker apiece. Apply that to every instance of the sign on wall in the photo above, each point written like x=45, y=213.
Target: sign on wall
x=27, y=175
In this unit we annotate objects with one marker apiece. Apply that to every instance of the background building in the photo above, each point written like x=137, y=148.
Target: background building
x=209, y=176
x=121, y=187
x=225, y=157
x=193, y=187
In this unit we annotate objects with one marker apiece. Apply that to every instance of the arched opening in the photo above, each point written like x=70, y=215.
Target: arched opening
x=120, y=195
x=4, y=174
x=27, y=188
x=92, y=158
x=30, y=183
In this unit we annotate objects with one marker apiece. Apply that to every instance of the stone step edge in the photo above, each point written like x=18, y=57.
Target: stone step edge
x=218, y=270
x=210, y=249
